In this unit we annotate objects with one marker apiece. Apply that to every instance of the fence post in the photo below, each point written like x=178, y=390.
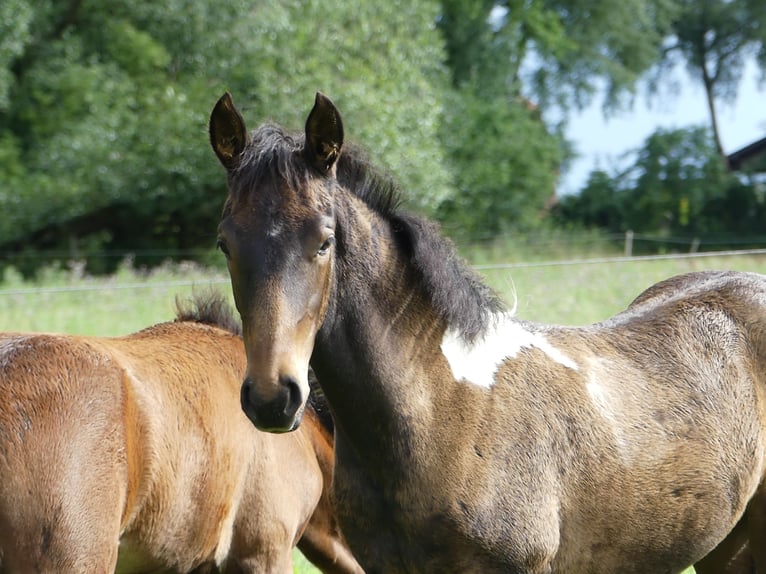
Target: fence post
x=695, y=245
x=629, y=243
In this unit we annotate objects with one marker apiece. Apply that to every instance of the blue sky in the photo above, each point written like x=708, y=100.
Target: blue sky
x=602, y=142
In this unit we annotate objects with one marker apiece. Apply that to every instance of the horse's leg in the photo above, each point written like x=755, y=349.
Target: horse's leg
x=731, y=556
x=326, y=550
x=323, y=544
x=60, y=506
x=271, y=563
x=756, y=526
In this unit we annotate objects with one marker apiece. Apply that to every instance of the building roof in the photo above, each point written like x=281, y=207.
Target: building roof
x=752, y=157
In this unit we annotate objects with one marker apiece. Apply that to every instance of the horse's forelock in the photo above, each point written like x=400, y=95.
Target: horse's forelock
x=273, y=154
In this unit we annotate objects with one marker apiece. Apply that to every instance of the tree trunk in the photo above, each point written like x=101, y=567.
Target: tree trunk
x=708, y=82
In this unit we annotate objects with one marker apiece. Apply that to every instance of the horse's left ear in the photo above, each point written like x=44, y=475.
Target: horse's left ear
x=228, y=134
x=324, y=134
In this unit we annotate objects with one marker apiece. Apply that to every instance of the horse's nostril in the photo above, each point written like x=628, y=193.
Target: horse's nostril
x=278, y=413
x=294, y=399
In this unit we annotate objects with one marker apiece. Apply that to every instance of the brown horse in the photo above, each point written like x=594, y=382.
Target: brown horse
x=468, y=440
x=132, y=453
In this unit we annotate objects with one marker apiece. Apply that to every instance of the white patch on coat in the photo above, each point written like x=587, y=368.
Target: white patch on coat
x=609, y=406
x=477, y=363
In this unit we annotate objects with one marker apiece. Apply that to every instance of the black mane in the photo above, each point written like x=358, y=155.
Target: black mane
x=458, y=294
x=209, y=307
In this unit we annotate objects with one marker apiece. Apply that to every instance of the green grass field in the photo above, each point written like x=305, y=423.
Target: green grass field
x=67, y=301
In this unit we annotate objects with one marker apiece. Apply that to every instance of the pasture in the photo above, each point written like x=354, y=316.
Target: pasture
x=563, y=290
x=546, y=291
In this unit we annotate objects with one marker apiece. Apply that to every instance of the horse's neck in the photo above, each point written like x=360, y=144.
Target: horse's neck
x=377, y=345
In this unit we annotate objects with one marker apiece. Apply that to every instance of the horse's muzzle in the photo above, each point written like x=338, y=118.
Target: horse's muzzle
x=281, y=413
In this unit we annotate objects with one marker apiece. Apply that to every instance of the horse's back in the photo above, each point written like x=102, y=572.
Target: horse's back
x=62, y=459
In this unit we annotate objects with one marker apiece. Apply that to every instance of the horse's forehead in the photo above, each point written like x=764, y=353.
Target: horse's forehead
x=273, y=195
x=271, y=209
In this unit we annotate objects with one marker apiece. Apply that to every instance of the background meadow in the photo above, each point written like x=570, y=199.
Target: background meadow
x=574, y=290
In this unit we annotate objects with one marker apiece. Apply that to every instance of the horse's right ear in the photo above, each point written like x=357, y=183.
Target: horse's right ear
x=324, y=134
x=228, y=134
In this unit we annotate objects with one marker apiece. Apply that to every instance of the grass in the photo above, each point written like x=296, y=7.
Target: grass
x=64, y=300
x=583, y=293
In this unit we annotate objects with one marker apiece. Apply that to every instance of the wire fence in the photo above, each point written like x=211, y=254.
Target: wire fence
x=622, y=259
x=216, y=278
x=109, y=286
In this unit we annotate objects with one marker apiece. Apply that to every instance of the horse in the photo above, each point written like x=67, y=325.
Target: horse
x=467, y=439
x=131, y=455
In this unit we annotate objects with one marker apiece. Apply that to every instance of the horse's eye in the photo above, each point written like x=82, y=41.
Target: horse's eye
x=221, y=244
x=329, y=242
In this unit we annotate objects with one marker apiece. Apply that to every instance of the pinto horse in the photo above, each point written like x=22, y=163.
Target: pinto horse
x=131, y=454
x=466, y=439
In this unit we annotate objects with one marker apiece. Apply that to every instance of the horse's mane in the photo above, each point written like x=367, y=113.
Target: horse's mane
x=209, y=307
x=456, y=291
x=458, y=294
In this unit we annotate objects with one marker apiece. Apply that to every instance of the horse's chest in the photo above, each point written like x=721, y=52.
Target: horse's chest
x=410, y=528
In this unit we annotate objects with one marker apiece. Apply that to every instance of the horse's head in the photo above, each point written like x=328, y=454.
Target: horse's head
x=278, y=235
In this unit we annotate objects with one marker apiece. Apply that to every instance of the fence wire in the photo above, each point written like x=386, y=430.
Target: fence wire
x=220, y=280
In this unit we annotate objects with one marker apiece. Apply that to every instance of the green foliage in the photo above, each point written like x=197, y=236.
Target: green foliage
x=505, y=155
x=555, y=51
x=102, y=132
x=15, y=21
x=104, y=106
x=678, y=185
x=598, y=44
x=380, y=62
x=506, y=165
x=109, y=129
x=676, y=174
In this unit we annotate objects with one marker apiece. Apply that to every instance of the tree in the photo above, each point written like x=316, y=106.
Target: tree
x=104, y=107
x=676, y=174
x=558, y=51
x=678, y=185
x=714, y=38
x=510, y=62
x=506, y=164
x=15, y=33
x=382, y=65
x=599, y=205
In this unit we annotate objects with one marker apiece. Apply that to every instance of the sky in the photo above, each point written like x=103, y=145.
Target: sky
x=601, y=142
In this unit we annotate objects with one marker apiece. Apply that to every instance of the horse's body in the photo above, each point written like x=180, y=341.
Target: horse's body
x=131, y=454
x=470, y=441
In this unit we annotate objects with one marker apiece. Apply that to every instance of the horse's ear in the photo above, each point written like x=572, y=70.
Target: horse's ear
x=324, y=134
x=228, y=134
